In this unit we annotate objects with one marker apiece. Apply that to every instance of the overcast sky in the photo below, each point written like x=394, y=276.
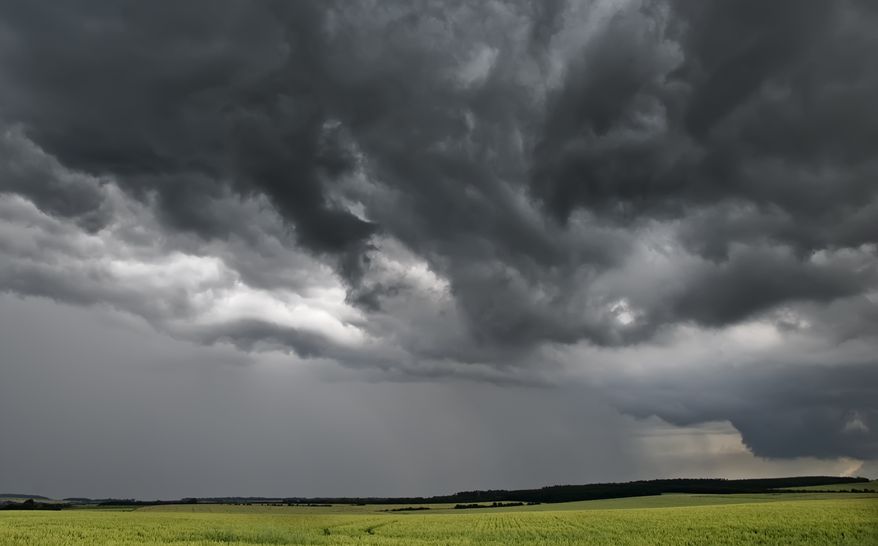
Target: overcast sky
x=413, y=247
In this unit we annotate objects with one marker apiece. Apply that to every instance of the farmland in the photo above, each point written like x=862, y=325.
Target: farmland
x=815, y=518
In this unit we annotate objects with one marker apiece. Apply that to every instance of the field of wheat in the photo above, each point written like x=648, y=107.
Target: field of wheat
x=826, y=519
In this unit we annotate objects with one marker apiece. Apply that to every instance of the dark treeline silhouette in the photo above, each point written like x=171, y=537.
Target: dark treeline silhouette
x=134, y=502
x=550, y=494
x=492, y=505
x=30, y=504
x=568, y=493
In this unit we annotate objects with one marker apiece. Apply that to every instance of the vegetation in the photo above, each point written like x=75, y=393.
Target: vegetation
x=492, y=505
x=860, y=487
x=30, y=504
x=555, y=493
x=687, y=519
x=569, y=493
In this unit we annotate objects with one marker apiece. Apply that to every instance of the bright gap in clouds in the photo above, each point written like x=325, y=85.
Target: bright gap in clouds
x=179, y=292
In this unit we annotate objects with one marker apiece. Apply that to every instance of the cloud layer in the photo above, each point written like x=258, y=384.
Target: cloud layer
x=511, y=191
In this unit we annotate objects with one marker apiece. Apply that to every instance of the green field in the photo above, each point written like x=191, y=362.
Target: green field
x=668, y=519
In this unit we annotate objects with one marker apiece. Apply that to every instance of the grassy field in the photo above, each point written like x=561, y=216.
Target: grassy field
x=669, y=519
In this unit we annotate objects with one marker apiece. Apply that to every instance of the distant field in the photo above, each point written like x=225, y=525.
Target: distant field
x=657, y=501
x=869, y=486
x=669, y=519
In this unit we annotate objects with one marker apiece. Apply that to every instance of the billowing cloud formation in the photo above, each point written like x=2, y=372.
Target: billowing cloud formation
x=493, y=189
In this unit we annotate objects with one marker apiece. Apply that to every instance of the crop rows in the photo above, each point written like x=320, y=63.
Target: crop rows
x=831, y=521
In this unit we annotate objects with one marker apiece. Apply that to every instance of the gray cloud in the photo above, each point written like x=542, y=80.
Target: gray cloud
x=182, y=104
x=780, y=411
x=28, y=171
x=457, y=189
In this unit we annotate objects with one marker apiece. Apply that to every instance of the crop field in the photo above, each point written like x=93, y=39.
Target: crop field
x=670, y=519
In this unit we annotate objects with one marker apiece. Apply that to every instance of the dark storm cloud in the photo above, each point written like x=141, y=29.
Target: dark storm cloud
x=566, y=171
x=38, y=177
x=822, y=411
x=547, y=20
x=181, y=101
x=767, y=114
x=753, y=279
x=769, y=107
x=663, y=112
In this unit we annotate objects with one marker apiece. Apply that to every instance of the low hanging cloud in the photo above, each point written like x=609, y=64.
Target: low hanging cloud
x=478, y=188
